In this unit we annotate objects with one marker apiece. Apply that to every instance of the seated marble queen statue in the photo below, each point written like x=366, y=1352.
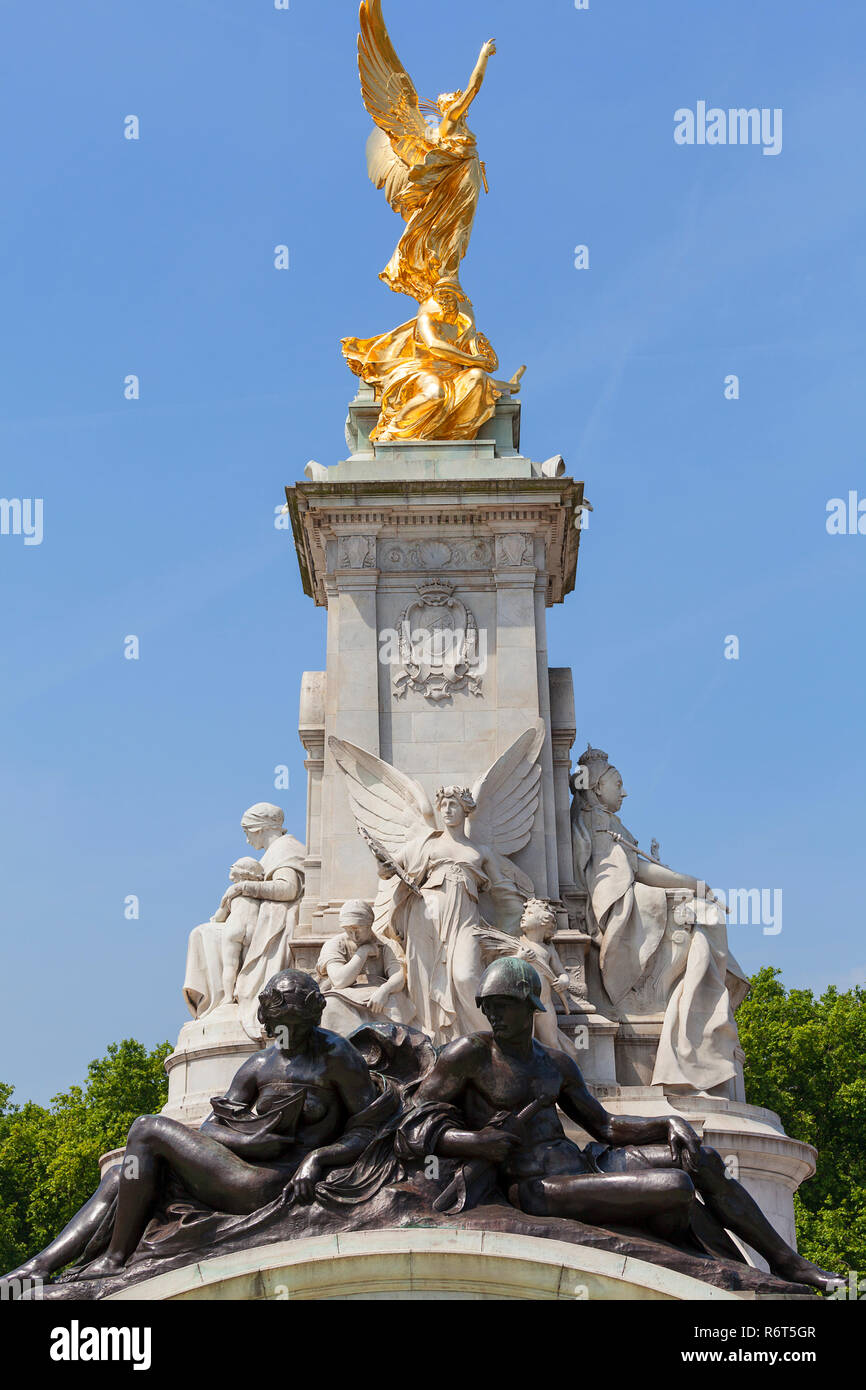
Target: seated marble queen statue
x=688, y=973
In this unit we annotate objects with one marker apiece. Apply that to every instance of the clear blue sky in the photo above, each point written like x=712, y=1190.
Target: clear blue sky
x=155, y=257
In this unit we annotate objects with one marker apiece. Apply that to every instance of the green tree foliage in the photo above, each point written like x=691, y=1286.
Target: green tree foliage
x=806, y=1059
x=49, y=1156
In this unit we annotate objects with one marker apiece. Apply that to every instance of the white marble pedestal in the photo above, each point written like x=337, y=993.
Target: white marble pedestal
x=451, y=1265
x=208, y=1053
x=750, y=1140
x=470, y=537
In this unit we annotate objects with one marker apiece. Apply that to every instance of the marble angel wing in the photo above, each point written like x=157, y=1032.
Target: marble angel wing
x=392, y=808
x=506, y=797
x=502, y=943
x=388, y=804
x=401, y=138
x=499, y=943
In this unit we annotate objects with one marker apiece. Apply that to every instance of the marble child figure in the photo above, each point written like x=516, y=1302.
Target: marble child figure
x=239, y=916
x=361, y=978
x=537, y=927
x=535, y=945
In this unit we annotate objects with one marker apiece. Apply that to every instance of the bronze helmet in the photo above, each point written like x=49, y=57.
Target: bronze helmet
x=513, y=977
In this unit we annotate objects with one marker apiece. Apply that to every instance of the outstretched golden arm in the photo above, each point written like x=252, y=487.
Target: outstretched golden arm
x=458, y=109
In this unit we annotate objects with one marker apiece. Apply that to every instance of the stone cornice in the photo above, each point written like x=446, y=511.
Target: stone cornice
x=483, y=507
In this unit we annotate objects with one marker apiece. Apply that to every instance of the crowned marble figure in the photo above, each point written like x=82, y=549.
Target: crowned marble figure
x=683, y=956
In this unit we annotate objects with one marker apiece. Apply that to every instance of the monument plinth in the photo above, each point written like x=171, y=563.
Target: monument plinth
x=436, y=573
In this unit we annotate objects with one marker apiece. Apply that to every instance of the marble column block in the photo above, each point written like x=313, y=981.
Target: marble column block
x=465, y=544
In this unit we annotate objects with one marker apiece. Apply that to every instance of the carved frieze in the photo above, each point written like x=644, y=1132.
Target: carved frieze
x=435, y=555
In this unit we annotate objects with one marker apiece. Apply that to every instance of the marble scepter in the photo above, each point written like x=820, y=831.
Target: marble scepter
x=384, y=858
x=621, y=840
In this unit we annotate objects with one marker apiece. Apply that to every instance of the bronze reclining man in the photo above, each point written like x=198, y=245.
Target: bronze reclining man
x=488, y=1075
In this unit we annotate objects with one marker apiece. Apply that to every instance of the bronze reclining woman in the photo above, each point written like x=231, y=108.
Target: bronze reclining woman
x=304, y=1105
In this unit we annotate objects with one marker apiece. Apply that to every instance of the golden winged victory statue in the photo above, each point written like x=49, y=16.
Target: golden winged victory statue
x=433, y=375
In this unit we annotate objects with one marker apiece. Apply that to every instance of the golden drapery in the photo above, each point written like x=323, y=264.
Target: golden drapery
x=438, y=204
x=401, y=366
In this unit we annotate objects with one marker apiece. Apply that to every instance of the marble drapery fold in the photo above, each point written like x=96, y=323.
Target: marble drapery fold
x=270, y=929
x=699, y=1036
x=438, y=931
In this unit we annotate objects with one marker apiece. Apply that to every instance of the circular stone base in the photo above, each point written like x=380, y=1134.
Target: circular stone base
x=208, y=1054
x=423, y=1264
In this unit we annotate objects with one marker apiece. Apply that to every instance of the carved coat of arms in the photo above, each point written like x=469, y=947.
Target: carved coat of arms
x=438, y=645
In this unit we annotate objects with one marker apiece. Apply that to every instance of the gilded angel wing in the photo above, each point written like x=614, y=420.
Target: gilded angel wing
x=385, y=167
x=401, y=139
x=506, y=797
x=387, y=803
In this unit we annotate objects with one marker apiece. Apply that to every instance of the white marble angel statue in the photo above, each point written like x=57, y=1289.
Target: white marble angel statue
x=428, y=907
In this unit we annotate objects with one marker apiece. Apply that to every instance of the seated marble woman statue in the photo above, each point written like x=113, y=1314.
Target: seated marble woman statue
x=303, y=1106
x=491, y=1100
